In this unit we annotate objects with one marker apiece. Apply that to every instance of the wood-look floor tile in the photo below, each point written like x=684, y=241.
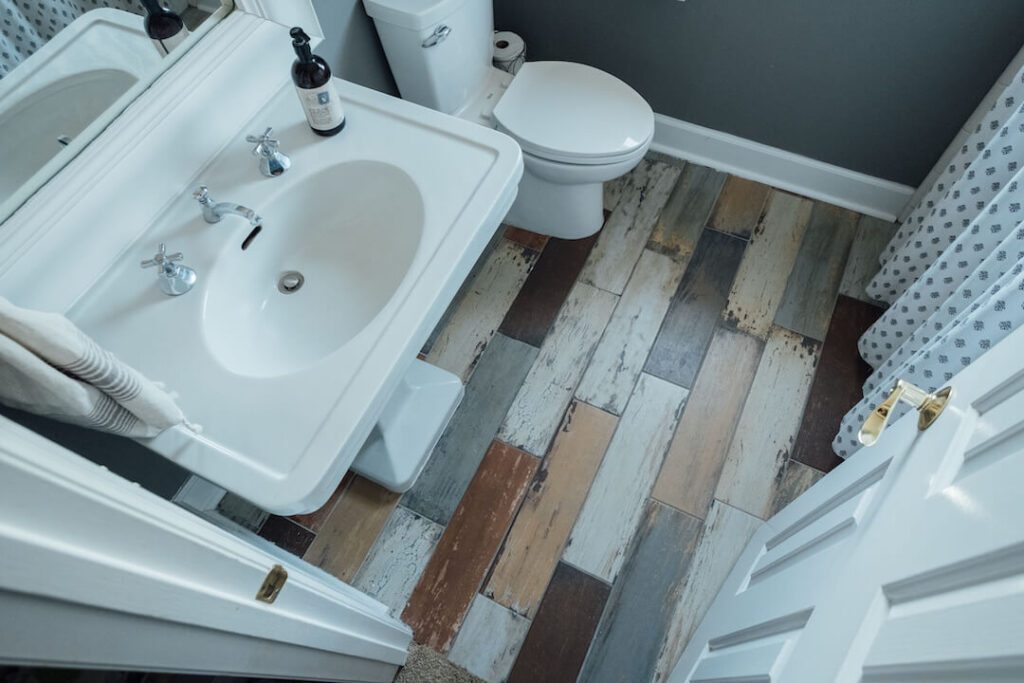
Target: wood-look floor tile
x=726, y=533
x=501, y=371
x=560, y=635
x=468, y=546
x=314, y=520
x=739, y=206
x=394, y=564
x=538, y=408
x=687, y=211
x=838, y=383
x=527, y=238
x=761, y=280
x=348, y=533
x=242, y=512
x=541, y=297
x=813, y=285
x=796, y=479
x=489, y=640
x=641, y=606
x=761, y=446
x=620, y=356
x=480, y=309
x=612, y=192
x=614, y=504
x=695, y=309
x=549, y=512
x=688, y=478
x=873, y=234
x=286, y=534
x=627, y=230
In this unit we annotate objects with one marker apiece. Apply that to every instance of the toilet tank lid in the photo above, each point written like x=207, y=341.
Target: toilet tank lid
x=412, y=14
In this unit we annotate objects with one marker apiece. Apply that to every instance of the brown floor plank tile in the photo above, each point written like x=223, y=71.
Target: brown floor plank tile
x=837, y=383
x=348, y=533
x=688, y=478
x=549, y=512
x=468, y=546
x=813, y=285
x=695, y=309
x=560, y=635
x=739, y=206
x=686, y=212
x=315, y=519
x=641, y=609
x=286, y=534
x=536, y=306
x=526, y=238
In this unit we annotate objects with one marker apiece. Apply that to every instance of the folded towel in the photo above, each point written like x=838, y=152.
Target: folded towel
x=50, y=367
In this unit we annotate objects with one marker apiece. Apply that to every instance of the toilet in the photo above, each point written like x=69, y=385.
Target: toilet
x=578, y=126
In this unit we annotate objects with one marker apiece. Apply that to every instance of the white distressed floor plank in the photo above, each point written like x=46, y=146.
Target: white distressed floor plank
x=397, y=559
x=627, y=230
x=620, y=356
x=489, y=640
x=726, y=532
x=615, y=503
x=483, y=304
x=537, y=409
x=767, y=427
x=767, y=262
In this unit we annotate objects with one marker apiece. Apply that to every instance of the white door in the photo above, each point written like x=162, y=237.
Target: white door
x=904, y=564
x=98, y=573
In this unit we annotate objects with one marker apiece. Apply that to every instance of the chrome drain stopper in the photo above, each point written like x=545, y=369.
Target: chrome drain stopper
x=290, y=282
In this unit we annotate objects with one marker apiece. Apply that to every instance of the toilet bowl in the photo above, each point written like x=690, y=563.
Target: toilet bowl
x=578, y=126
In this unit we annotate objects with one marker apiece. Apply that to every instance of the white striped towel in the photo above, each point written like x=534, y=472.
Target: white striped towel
x=50, y=367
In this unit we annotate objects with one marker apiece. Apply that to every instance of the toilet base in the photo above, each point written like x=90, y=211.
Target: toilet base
x=566, y=211
x=416, y=414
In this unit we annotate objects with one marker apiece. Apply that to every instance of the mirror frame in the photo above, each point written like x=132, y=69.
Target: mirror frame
x=52, y=167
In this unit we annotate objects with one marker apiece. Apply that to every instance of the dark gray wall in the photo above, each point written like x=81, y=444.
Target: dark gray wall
x=351, y=45
x=878, y=86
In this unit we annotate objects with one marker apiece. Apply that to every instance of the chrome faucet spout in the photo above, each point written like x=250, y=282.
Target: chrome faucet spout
x=214, y=212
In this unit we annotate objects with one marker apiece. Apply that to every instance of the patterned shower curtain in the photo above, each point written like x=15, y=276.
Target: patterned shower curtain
x=26, y=25
x=954, y=272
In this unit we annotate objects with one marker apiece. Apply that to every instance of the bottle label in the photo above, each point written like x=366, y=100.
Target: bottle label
x=167, y=45
x=322, y=106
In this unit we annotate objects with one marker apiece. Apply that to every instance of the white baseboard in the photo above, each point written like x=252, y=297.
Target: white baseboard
x=787, y=171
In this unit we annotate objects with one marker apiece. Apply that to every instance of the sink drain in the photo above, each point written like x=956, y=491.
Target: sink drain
x=290, y=282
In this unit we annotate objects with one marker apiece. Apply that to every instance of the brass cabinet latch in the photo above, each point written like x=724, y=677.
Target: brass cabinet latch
x=273, y=584
x=929, y=407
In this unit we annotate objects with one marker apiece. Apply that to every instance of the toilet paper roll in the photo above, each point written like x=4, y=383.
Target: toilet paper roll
x=509, y=51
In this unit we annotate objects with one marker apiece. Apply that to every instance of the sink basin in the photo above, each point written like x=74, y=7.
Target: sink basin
x=383, y=222
x=351, y=257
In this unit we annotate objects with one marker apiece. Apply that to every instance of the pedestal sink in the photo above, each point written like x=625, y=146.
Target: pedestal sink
x=294, y=351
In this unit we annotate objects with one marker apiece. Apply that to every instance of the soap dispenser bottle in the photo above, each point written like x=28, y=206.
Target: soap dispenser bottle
x=316, y=90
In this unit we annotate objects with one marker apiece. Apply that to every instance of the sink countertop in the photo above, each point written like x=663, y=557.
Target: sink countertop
x=285, y=415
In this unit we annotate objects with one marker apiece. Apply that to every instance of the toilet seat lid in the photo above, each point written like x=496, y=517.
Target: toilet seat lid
x=574, y=113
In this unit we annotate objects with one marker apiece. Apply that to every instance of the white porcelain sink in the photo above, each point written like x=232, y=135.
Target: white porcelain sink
x=352, y=249
x=383, y=222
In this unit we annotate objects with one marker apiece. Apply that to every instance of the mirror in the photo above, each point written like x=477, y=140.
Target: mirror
x=68, y=67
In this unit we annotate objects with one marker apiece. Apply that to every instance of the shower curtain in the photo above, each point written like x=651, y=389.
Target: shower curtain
x=26, y=25
x=954, y=272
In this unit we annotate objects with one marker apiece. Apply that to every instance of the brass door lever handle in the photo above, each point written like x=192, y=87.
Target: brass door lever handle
x=929, y=407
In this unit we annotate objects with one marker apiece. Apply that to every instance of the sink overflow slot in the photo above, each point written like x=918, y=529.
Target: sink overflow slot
x=250, y=237
x=290, y=282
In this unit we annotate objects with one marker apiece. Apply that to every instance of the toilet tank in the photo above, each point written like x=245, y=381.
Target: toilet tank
x=445, y=75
